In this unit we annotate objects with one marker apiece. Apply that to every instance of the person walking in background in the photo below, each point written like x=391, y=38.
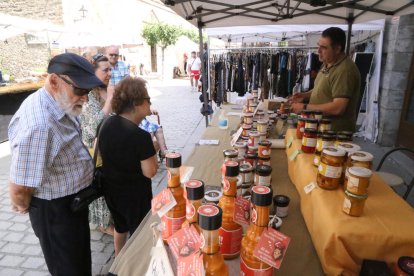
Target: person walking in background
x=194, y=66
x=185, y=63
x=129, y=159
x=93, y=113
x=119, y=68
x=50, y=164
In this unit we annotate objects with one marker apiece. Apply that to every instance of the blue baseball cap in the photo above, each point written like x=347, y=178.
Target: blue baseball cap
x=77, y=68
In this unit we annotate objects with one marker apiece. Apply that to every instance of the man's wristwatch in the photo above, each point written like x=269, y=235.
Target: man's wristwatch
x=305, y=106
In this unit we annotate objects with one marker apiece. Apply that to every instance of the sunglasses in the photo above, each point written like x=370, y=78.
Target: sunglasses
x=76, y=90
x=114, y=55
x=96, y=57
x=148, y=99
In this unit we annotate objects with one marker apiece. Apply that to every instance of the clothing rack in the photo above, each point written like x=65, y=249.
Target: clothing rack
x=264, y=48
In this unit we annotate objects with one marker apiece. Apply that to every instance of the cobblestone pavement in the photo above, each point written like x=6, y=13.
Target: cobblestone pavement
x=20, y=252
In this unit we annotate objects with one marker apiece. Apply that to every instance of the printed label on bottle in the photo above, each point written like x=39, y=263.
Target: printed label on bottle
x=171, y=225
x=330, y=171
x=282, y=212
x=309, y=142
x=190, y=211
x=353, y=182
x=263, y=180
x=245, y=270
x=347, y=206
x=253, y=215
x=311, y=125
x=230, y=241
x=226, y=185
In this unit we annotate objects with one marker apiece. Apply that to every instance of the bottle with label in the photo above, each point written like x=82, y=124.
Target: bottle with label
x=223, y=120
x=174, y=219
x=261, y=201
x=195, y=194
x=230, y=232
x=209, y=220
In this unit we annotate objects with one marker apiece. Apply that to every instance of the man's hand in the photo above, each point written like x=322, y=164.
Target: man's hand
x=20, y=197
x=154, y=112
x=297, y=107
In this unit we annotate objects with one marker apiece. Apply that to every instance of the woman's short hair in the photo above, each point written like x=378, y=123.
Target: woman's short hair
x=129, y=93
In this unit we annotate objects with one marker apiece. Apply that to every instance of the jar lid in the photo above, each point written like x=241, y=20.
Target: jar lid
x=253, y=104
x=232, y=153
x=330, y=132
x=232, y=168
x=281, y=200
x=406, y=264
x=317, y=112
x=253, y=148
x=301, y=119
x=346, y=133
x=327, y=136
x=277, y=222
x=195, y=189
x=251, y=155
x=349, y=147
x=248, y=114
x=263, y=133
x=311, y=121
x=240, y=144
x=343, y=137
x=246, y=126
x=213, y=195
x=362, y=156
x=264, y=158
x=270, y=112
x=265, y=143
x=311, y=131
x=264, y=169
x=246, y=167
x=261, y=196
x=325, y=121
x=173, y=159
x=359, y=197
x=254, y=133
x=260, y=112
x=334, y=151
x=209, y=217
x=360, y=171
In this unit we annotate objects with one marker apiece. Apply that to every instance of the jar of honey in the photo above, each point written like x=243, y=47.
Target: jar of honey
x=263, y=175
x=300, y=128
x=262, y=125
x=360, y=159
x=354, y=204
x=348, y=148
x=357, y=180
x=195, y=194
x=246, y=173
x=404, y=266
x=330, y=168
x=317, y=114
x=241, y=148
x=325, y=124
x=252, y=107
x=230, y=232
x=265, y=148
x=209, y=220
x=248, y=118
x=254, y=138
x=309, y=140
x=261, y=200
x=323, y=141
x=175, y=217
x=263, y=136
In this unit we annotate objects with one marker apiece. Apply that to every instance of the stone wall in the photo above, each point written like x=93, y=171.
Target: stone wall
x=16, y=55
x=398, y=51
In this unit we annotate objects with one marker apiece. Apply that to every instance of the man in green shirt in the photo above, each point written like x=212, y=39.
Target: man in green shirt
x=337, y=85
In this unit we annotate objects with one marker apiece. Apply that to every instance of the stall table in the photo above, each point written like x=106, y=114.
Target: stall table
x=21, y=87
x=385, y=231
x=300, y=258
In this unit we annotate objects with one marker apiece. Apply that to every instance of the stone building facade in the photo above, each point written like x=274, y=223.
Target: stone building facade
x=17, y=56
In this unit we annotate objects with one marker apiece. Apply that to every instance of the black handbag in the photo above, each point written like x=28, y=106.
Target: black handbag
x=94, y=191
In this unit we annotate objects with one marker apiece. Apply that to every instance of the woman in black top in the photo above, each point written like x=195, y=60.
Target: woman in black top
x=128, y=158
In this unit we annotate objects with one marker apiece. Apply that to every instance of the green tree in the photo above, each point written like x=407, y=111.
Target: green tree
x=161, y=34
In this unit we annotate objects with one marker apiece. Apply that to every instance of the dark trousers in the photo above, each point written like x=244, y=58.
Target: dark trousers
x=64, y=236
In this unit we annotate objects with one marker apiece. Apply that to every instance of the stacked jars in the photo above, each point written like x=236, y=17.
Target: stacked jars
x=330, y=168
x=229, y=155
x=195, y=194
x=263, y=176
x=324, y=140
x=247, y=177
x=241, y=148
x=265, y=148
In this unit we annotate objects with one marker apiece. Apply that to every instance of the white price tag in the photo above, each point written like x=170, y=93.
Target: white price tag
x=308, y=188
x=159, y=264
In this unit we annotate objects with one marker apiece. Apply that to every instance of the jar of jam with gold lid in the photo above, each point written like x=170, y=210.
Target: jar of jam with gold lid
x=360, y=159
x=325, y=124
x=246, y=173
x=329, y=175
x=246, y=131
x=248, y=118
x=309, y=140
x=251, y=158
x=354, y=204
x=357, y=180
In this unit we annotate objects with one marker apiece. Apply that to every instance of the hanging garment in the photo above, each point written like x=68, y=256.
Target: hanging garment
x=306, y=75
x=265, y=77
x=314, y=69
x=274, y=68
x=283, y=75
x=240, y=74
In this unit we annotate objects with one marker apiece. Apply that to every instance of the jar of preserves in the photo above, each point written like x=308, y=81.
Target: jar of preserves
x=252, y=107
x=251, y=158
x=174, y=218
x=262, y=125
x=357, y=180
x=263, y=136
x=330, y=168
x=354, y=204
x=255, y=93
x=248, y=118
x=195, y=194
x=325, y=124
x=254, y=138
x=323, y=141
x=300, y=128
x=263, y=176
x=260, y=114
x=360, y=159
x=230, y=233
x=265, y=148
x=250, y=100
x=241, y=148
x=246, y=130
x=311, y=124
x=209, y=219
x=404, y=266
x=317, y=114
x=348, y=148
x=263, y=161
x=261, y=200
x=246, y=173
x=309, y=140
x=306, y=114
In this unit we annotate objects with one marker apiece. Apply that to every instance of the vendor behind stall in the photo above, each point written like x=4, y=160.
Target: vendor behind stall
x=337, y=85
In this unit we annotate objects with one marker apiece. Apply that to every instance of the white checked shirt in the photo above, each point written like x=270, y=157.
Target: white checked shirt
x=47, y=149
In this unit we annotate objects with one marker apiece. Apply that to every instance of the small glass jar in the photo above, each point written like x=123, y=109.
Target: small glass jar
x=349, y=134
x=251, y=158
x=248, y=118
x=309, y=140
x=262, y=125
x=262, y=136
x=252, y=107
x=300, y=128
x=260, y=114
x=246, y=131
x=263, y=161
x=329, y=175
x=250, y=100
x=265, y=148
x=246, y=173
x=281, y=205
x=349, y=148
x=195, y=194
x=306, y=114
x=340, y=138
x=263, y=176
x=357, y=180
x=360, y=159
x=212, y=196
x=311, y=124
x=255, y=93
x=270, y=112
x=173, y=162
x=317, y=114
x=241, y=148
x=323, y=141
x=229, y=155
x=254, y=137
x=354, y=204
x=325, y=124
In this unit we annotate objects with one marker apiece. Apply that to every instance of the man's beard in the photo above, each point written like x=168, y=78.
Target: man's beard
x=73, y=109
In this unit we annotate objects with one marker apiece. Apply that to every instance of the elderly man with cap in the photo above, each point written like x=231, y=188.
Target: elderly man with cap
x=50, y=164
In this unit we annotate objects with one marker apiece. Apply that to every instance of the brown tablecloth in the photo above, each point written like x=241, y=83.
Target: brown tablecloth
x=301, y=257
x=385, y=231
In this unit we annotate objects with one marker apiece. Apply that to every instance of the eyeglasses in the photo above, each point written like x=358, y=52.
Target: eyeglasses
x=96, y=57
x=148, y=99
x=114, y=55
x=76, y=90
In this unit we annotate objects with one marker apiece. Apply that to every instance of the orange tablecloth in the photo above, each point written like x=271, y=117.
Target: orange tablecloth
x=385, y=231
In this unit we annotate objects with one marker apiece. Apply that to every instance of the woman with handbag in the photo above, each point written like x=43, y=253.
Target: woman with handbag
x=129, y=158
x=93, y=113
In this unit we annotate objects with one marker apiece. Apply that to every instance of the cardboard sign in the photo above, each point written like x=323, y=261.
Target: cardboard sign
x=242, y=211
x=163, y=202
x=290, y=141
x=295, y=154
x=191, y=265
x=159, y=264
x=272, y=247
x=236, y=136
x=184, y=242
